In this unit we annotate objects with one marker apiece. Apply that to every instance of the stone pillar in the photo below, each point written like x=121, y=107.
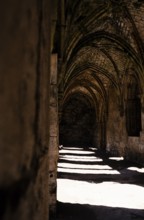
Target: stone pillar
x=141, y=145
x=142, y=111
x=123, y=138
x=98, y=134
x=60, y=95
x=53, y=146
x=103, y=136
x=95, y=135
x=61, y=26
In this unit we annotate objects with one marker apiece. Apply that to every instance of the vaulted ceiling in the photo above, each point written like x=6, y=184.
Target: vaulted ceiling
x=99, y=45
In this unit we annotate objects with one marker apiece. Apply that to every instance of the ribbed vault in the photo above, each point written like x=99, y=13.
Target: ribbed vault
x=101, y=45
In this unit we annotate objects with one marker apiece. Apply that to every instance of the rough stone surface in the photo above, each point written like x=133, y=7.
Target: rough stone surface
x=24, y=76
x=53, y=136
x=95, y=84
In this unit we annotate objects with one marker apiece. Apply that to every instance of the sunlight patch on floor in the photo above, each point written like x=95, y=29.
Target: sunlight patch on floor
x=116, y=158
x=84, y=166
x=140, y=170
x=79, y=157
x=82, y=158
x=110, y=194
x=86, y=171
x=72, y=148
x=77, y=151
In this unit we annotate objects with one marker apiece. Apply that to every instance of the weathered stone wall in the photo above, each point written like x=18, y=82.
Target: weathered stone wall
x=24, y=80
x=53, y=139
x=116, y=131
x=135, y=147
x=118, y=141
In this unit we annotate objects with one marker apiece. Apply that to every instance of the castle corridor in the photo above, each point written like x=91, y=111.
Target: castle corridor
x=71, y=109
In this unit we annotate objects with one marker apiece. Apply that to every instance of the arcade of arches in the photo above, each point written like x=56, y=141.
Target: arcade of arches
x=72, y=74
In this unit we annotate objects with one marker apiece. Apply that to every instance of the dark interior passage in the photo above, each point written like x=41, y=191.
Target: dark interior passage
x=78, y=122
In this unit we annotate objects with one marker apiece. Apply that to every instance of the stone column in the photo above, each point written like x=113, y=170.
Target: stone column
x=61, y=25
x=53, y=145
x=141, y=146
x=60, y=96
x=142, y=110
x=103, y=136
x=98, y=134
x=123, y=138
x=95, y=135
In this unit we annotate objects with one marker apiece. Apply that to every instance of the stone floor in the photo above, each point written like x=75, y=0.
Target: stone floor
x=94, y=186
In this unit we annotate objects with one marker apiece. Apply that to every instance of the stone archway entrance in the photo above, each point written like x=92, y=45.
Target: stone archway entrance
x=77, y=125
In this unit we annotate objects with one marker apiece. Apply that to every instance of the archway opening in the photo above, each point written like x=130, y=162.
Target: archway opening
x=133, y=108
x=77, y=126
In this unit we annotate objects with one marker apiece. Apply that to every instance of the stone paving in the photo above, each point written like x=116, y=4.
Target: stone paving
x=96, y=186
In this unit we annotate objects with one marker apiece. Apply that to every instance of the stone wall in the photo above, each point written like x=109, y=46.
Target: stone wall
x=114, y=125
x=53, y=139
x=24, y=80
x=118, y=141
x=135, y=147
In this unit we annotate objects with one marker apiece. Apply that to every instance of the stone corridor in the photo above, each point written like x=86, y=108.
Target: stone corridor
x=97, y=186
x=72, y=74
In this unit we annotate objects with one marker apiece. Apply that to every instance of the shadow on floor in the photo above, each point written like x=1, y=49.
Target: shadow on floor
x=73, y=162
x=67, y=211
